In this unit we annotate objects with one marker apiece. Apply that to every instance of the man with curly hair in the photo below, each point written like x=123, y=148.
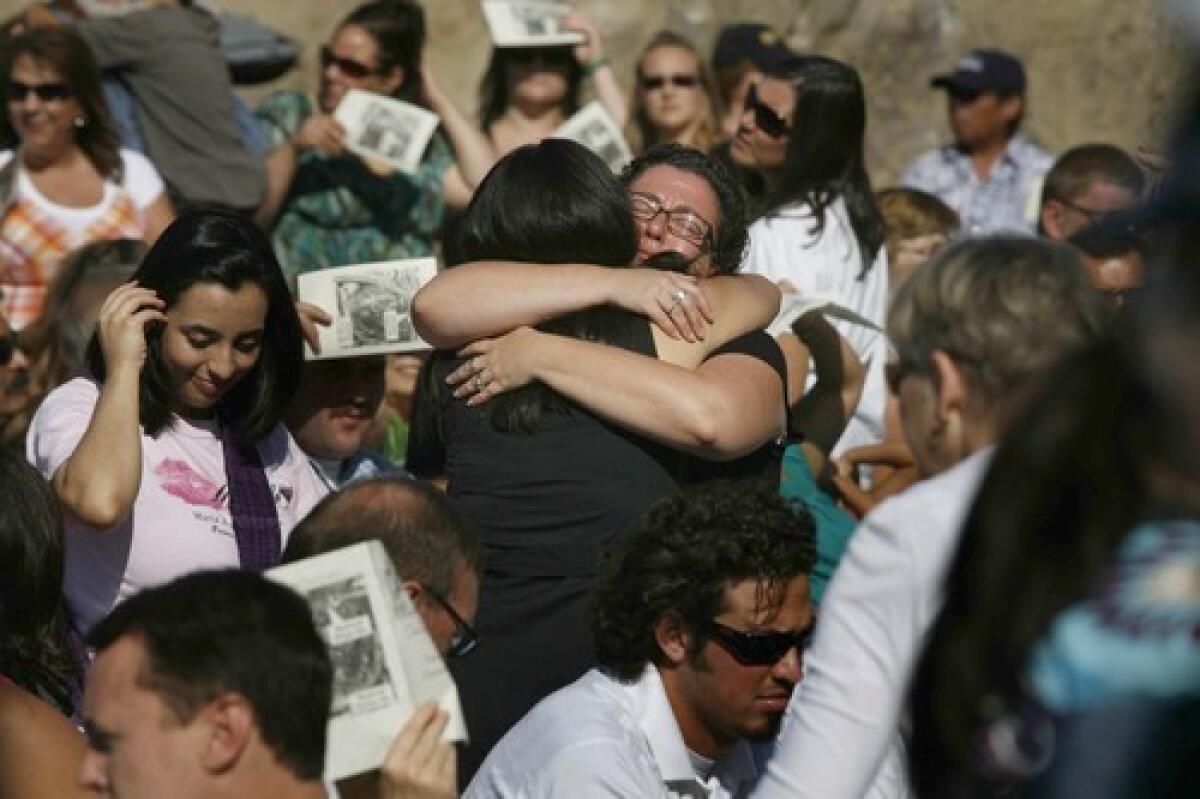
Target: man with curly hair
x=699, y=623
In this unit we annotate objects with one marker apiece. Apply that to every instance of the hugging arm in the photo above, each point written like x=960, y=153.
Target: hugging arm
x=725, y=408
x=490, y=298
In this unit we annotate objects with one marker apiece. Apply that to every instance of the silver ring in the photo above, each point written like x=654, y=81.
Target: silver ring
x=479, y=383
x=679, y=297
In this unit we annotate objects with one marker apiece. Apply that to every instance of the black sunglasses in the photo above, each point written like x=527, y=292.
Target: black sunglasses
x=346, y=66
x=760, y=649
x=765, y=118
x=465, y=638
x=8, y=347
x=652, y=82
x=545, y=56
x=46, y=92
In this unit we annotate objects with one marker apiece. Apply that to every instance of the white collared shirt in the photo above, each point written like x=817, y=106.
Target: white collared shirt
x=599, y=737
x=840, y=737
x=787, y=246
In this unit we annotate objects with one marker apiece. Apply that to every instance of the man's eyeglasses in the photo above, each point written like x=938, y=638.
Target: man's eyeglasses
x=760, y=649
x=46, y=92
x=652, y=82
x=8, y=347
x=765, y=117
x=347, y=66
x=465, y=638
x=1092, y=215
x=681, y=222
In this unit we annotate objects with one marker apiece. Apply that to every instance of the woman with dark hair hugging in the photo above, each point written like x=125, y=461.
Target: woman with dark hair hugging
x=546, y=483
x=172, y=456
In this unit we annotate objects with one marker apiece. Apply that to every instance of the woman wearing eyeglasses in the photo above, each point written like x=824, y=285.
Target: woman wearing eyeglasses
x=67, y=183
x=802, y=131
x=326, y=206
x=528, y=92
x=674, y=99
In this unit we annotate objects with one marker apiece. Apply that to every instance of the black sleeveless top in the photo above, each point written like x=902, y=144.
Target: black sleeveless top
x=547, y=503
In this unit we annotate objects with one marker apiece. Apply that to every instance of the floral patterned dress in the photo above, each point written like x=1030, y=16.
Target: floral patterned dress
x=338, y=212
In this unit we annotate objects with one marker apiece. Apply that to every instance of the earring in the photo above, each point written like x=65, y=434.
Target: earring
x=80, y=121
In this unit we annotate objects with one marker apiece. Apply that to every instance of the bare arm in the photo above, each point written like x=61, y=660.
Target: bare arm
x=608, y=91
x=319, y=132
x=451, y=310
x=159, y=214
x=725, y=408
x=473, y=153
x=99, y=481
x=40, y=752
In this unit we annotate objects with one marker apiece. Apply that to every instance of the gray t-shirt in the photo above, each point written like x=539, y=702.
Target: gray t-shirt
x=170, y=59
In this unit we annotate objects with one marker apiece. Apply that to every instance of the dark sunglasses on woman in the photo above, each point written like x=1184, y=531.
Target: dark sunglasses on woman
x=653, y=82
x=348, y=67
x=544, y=56
x=765, y=118
x=46, y=92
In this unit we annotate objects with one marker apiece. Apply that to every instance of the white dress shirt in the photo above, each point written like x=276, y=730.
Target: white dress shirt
x=599, y=737
x=841, y=738
x=786, y=246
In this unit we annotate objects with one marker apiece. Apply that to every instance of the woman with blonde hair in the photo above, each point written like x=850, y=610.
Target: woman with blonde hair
x=675, y=98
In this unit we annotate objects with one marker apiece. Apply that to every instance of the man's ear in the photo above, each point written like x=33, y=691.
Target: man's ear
x=673, y=638
x=1052, y=213
x=231, y=724
x=951, y=385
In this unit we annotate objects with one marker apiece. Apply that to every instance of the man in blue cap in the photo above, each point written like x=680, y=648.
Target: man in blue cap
x=991, y=174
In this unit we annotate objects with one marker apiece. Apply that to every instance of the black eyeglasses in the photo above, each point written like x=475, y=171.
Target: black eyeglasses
x=682, y=222
x=348, y=67
x=765, y=117
x=544, y=56
x=760, y=649
x=8, y=347
x=46, y=92
x=1092, y=215
x=652, y=82
x=465, y=638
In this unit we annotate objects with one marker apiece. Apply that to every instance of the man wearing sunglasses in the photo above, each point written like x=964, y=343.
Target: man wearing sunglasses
x=990, y=174
x=700, y=623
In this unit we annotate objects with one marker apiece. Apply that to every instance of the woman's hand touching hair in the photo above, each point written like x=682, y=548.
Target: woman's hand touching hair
x=121, y=325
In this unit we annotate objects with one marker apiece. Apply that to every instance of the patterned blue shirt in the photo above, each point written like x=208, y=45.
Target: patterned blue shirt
x=1138, y=636
x=1007, y=201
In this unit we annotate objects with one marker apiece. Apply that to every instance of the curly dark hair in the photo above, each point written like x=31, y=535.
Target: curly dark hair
x=683, y=554
x=731, y=236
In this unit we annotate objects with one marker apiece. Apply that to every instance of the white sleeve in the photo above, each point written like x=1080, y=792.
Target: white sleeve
x=844, y=715
x=141, y=179
x=59, y=425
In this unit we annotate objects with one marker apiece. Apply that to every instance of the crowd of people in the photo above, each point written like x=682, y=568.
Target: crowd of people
x=665, y=420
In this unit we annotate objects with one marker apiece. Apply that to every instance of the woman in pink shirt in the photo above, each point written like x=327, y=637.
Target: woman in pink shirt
x=172, y=456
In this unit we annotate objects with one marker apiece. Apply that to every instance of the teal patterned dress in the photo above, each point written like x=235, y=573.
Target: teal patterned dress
x=338, y=212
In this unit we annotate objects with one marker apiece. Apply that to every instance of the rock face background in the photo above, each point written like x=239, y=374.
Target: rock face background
x=1098, y=69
